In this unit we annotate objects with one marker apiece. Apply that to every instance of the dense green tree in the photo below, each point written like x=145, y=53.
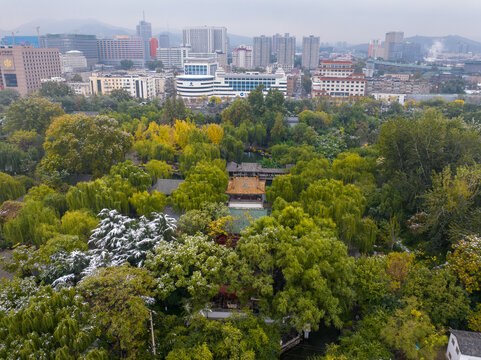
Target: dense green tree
x=31, y=113
x=78, y=222
x=120, y=95
x=306, y=278
x=145, y=203
x=241, y=337
x=465, y=260
x=451, y=207
x=193, y=268
x=10, y=189
x=195, y=153
x=155, y=65
x=116, y=299
x=256, y=101
x=365, y=343
x=84, y=144
x=198, y=220
x=412, y=150
x=454, y=86
x=34, y=225
x=205, y=183
x=7, y=96
x=12, y=159
x=238, y=112
x=371, y=284
x=438, y=294
x=411, y=332
x=54, y=89
x=46, y=324
x=135, y=175
x=344, y=204
x=278, y=131
x=126, y=64
x=319, y=120
x=158, y=169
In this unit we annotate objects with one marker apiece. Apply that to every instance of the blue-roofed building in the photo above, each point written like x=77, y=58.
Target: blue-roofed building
x=20, y=40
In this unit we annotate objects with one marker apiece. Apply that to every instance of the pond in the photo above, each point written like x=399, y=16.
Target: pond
x=315, y=345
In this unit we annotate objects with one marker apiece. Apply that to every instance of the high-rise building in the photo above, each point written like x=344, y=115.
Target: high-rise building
x=173, y=58
x=375, y=49
x=23, y=67
x=393, y=45
x=154, y=45
x=242, y=57
x=310, y=52
x=275, y=43
x=144, y=31
x=262, y=51
x=206, y=39
x=87, y=44
x=286, y=51
x=123, y=47
x=164, y=41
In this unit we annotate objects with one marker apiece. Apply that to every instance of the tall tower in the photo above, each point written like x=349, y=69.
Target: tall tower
x=286, y=51
x=144, y=31
x=310, y=52
x=392, y=45
x=262, y=51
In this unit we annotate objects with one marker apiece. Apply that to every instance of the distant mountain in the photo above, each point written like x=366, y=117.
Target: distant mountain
x=236, y=40
x=75, y=26
x=449, y=43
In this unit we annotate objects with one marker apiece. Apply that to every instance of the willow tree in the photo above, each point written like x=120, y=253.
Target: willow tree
x=10, y=189
x=46, y=324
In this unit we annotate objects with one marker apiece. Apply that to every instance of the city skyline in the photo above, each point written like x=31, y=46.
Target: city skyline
x=360, y=22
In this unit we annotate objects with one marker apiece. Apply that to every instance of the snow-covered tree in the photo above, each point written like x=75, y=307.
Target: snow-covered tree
x=117, y=240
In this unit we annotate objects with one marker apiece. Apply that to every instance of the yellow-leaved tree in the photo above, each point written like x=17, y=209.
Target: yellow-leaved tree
x=215, y=133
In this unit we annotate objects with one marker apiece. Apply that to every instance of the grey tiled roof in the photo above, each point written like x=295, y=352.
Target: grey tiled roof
x=251, y=167
x=166, y=186
x=469, y=342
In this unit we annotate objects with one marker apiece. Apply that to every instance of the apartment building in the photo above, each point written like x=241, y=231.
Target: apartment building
x=336, y=79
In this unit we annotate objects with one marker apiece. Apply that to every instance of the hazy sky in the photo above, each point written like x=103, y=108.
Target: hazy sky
x=353, y=21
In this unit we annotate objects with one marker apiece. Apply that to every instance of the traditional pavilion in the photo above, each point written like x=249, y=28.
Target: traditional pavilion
x=246, y=192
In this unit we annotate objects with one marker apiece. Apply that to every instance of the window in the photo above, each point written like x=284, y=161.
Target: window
x=11, y=80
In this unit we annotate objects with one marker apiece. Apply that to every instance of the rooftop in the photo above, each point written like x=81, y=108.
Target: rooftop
x=251, y=167
x=166, y=186
x=246, y=186
x=469, y=342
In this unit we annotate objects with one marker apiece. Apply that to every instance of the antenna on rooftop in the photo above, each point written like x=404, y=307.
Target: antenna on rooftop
x=143, y=14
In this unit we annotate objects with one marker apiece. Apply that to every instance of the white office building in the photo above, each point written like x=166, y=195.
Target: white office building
x=173, y=58
x=202, y=77
x=138, y=86
x=73, y=60
x=206, y=39
x=242, y=57
x=336, y=79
